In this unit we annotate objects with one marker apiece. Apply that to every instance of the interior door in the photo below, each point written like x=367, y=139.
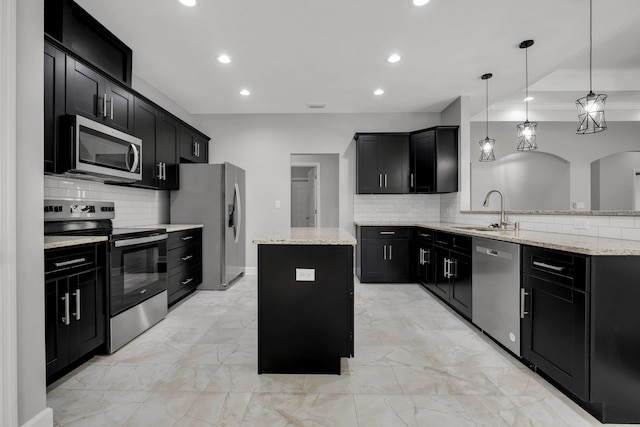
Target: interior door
x=312, y=202
x=299, y=203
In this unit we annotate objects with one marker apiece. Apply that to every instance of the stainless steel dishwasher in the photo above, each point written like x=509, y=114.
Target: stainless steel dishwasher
x=495, y=291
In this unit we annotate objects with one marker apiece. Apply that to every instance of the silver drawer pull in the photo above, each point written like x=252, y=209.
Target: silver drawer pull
x=70, y=262
x=523, y=295
x=66, y=319
x=186, y=258
x=186, y=238
x=186, y=282
x=77, y=295
x=549, y=266
x=424, y=235
x=388, y=232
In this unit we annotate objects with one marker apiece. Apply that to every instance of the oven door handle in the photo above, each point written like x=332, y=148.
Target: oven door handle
x=139, y=240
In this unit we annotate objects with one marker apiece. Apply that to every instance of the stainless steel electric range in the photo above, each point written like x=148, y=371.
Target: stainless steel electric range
x=137, y=270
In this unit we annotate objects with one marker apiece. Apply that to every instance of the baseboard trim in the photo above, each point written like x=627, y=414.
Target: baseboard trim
x=43, y=419
x=251, y=271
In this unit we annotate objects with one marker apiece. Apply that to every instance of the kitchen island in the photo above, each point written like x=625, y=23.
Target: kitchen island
x=305, y=300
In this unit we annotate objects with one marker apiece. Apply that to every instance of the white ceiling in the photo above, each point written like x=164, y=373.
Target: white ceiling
x=289, y=53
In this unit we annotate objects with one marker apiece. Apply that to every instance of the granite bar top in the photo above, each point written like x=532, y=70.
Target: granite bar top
x=53, y=242
x=308, y=236
x=564, y=242
x=170, y=228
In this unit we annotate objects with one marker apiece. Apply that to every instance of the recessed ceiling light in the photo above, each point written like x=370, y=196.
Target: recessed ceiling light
x=378, y=92
x=245, y=92
x=224, y=59
x=189, y=3
x=529, y=98
x=419, y=2
x=394, y=58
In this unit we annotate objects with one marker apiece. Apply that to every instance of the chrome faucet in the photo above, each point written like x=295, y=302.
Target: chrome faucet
x=503, y=218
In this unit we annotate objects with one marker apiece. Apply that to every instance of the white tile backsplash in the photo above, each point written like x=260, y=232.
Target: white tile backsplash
x=616, y=227
x=396, y=207
x=134, y=206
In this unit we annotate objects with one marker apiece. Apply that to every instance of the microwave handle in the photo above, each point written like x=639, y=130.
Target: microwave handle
x=136, y=158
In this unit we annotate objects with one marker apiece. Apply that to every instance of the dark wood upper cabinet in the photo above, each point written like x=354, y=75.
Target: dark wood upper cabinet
x=145, y=128
x=67, y=22
x=168, y=133
x=382, y=163
x=54, y=103
x=433, y=160
x=194, y=146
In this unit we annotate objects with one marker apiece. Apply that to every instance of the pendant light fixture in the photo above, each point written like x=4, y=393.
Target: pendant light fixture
x=591, y=107
x=527, y=129
x=487, y=144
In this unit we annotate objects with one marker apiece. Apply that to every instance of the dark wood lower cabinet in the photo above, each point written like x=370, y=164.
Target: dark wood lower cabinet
x=383, y=254
x=184, y=258
x=75, y=310
x=452, y=279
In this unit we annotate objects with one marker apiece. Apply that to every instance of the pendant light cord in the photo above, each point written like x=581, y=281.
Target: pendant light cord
x=487, y=109
x=526, y=82
x=590, y=43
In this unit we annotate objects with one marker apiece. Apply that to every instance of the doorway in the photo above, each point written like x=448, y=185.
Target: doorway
x=305, y=190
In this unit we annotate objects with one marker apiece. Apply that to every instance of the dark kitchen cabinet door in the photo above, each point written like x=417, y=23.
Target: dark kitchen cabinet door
x=54, y=103
x=85, y=91
x=397, y=260
x=382, y=164
x=91, y=95
x=441, y=284
x=145, y=128
x=87, y=293
x=373, y=261
x=434, y=160
x=167, y=138
x=460, y=289
x=193, y=146
x=556, y=333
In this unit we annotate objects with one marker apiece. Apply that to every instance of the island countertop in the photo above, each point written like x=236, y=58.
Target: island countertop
x=308, y=236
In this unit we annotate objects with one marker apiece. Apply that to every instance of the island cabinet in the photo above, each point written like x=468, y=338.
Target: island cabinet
x=433, y=160
x=452, y=270
x=382, y=163
x=305, y=307
x=580, y=328
x=75, y=306
x=383, y=254
x=184, y=258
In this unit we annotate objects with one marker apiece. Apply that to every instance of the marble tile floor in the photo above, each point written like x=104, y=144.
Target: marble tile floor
x=416, y=364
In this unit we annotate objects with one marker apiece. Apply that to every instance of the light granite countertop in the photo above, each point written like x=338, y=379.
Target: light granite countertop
x=308, y=236
x=564, y=242
x=53, y=242
x=170, y=228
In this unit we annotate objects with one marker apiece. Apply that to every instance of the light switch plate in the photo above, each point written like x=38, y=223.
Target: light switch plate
x=581, y=223
x=277, y=204
x=305, y=275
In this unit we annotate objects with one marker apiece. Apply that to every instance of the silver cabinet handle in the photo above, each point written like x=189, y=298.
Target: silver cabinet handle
x=111, y=107
x=411, y=180
x=186, y=282
x=139, y=240
x=186, y=258
x=380, y=180
x=186, y=238
x=388, y=232
x=427, y=255
x=195, y=148
x=446, y=268
x=523, y=295
x=549, y=266
x=159, y=170
x=198, y=149
x=144, y=291
x=104, y=106
x=384, y=252
x=66, y=319
x=454, y=273
x=77, y=295
x=421, y=253
x=385, y=180
x=390, y=252
x=164, y=171
x=424, y=235
x=70, y=262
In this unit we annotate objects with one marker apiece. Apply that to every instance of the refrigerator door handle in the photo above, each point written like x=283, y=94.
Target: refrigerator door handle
x=238, y=210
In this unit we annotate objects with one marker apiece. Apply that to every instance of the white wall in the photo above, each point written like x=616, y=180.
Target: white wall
x=29, y=230
x=559, y=138
x=262, y=145
x=614, y=179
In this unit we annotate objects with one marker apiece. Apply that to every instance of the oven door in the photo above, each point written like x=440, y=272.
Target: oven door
x=138, y=271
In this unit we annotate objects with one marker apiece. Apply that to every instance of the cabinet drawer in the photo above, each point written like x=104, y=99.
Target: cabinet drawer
x=184, y=256
x=385, y=232
x=184, y=281
x=182, y=238
x=563, y=268
x=424, y=234
x=455, y=242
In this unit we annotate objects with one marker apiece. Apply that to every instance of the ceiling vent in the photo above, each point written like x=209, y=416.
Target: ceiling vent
x=316, y=105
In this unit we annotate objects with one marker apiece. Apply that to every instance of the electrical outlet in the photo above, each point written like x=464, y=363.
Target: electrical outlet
x=277, y=204
x=581, y=223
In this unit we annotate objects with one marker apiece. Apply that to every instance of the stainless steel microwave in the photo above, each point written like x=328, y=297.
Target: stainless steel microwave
x=101, y=152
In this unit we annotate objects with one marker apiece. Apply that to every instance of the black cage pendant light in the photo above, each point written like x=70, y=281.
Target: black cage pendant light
x=487, y=144
x=591, y=107
x=527, y=129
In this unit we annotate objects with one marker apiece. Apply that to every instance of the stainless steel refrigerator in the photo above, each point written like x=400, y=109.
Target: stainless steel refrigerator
x=213, y=195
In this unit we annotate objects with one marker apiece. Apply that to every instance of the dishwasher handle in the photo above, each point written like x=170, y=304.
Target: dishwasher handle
x=494, y=252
